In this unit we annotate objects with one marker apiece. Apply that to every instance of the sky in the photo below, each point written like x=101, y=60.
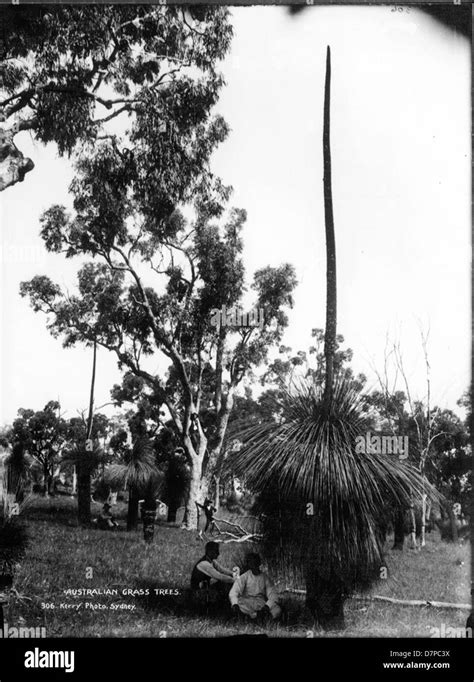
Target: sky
x=401, y=162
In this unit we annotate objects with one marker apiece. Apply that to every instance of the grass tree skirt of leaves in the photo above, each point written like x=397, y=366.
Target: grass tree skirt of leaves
x=323, y=504
x=13, y=543
x=139, y=474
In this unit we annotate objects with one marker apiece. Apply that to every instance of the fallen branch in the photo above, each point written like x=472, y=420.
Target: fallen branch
x=230, y=523
x=415, y=602
x=403, y=602
x=246, y=538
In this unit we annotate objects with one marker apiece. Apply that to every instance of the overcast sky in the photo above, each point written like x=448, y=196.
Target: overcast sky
x=400, y=140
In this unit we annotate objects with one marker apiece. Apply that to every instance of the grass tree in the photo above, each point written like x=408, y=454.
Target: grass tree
x=323, y=502
x=139, y=474
x=85, y=454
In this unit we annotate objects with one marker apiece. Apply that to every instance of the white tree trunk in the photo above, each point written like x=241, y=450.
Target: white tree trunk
x=217, y=493
x=454, y=527
x=423, y=520
x=191, y=516
x=412, y=528
x=13, y=165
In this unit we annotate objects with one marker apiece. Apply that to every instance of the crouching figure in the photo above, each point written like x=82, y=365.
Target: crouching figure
x=253, y=593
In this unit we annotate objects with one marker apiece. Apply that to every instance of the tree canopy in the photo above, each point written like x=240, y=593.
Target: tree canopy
x=67, y=71
x=165, y=247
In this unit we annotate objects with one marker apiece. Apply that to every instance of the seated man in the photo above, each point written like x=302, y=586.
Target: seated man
x=254, y=593
x=106, y=520
x=210, y=581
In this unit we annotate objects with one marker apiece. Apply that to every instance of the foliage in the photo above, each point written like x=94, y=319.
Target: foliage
x=446, y=460
x=309, y=459
x=138, y=469
x=68, y=71
x=41, y=434
x=14, y=541
x=154, y=290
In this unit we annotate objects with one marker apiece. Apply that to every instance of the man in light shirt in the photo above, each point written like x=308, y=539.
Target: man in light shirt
x=254, y=594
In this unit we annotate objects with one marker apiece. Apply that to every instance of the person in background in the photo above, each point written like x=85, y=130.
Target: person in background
x=106, y=521
x=254, y=594
x=209, y=510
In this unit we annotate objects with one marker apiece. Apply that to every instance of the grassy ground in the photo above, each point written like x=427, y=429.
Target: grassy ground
x=60, y=557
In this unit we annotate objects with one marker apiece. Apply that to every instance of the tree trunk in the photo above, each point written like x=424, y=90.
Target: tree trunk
x=331, y=291
x=412, y=530
x=191, y=516
x=325, y=599
x=84, y=472
x=423, y=521
x=74, y=481
x=454, y=528
x=428, y=519
x=399, y=530
x=51, y=482
x=171, y=518
x=148, y=518
x=132, y=512
x=217, y=493
x=13, y=165
x=84, y=495
x=198, y=483
x=45, y=481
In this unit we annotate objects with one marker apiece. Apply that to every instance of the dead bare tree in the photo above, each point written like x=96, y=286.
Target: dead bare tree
x=424, y=417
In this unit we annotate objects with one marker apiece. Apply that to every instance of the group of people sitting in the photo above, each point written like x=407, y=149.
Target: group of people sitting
x=251, y=594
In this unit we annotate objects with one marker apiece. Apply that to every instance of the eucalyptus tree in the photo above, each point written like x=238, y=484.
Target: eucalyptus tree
x=68, y=73
x=161, y=285
x=41, y=434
